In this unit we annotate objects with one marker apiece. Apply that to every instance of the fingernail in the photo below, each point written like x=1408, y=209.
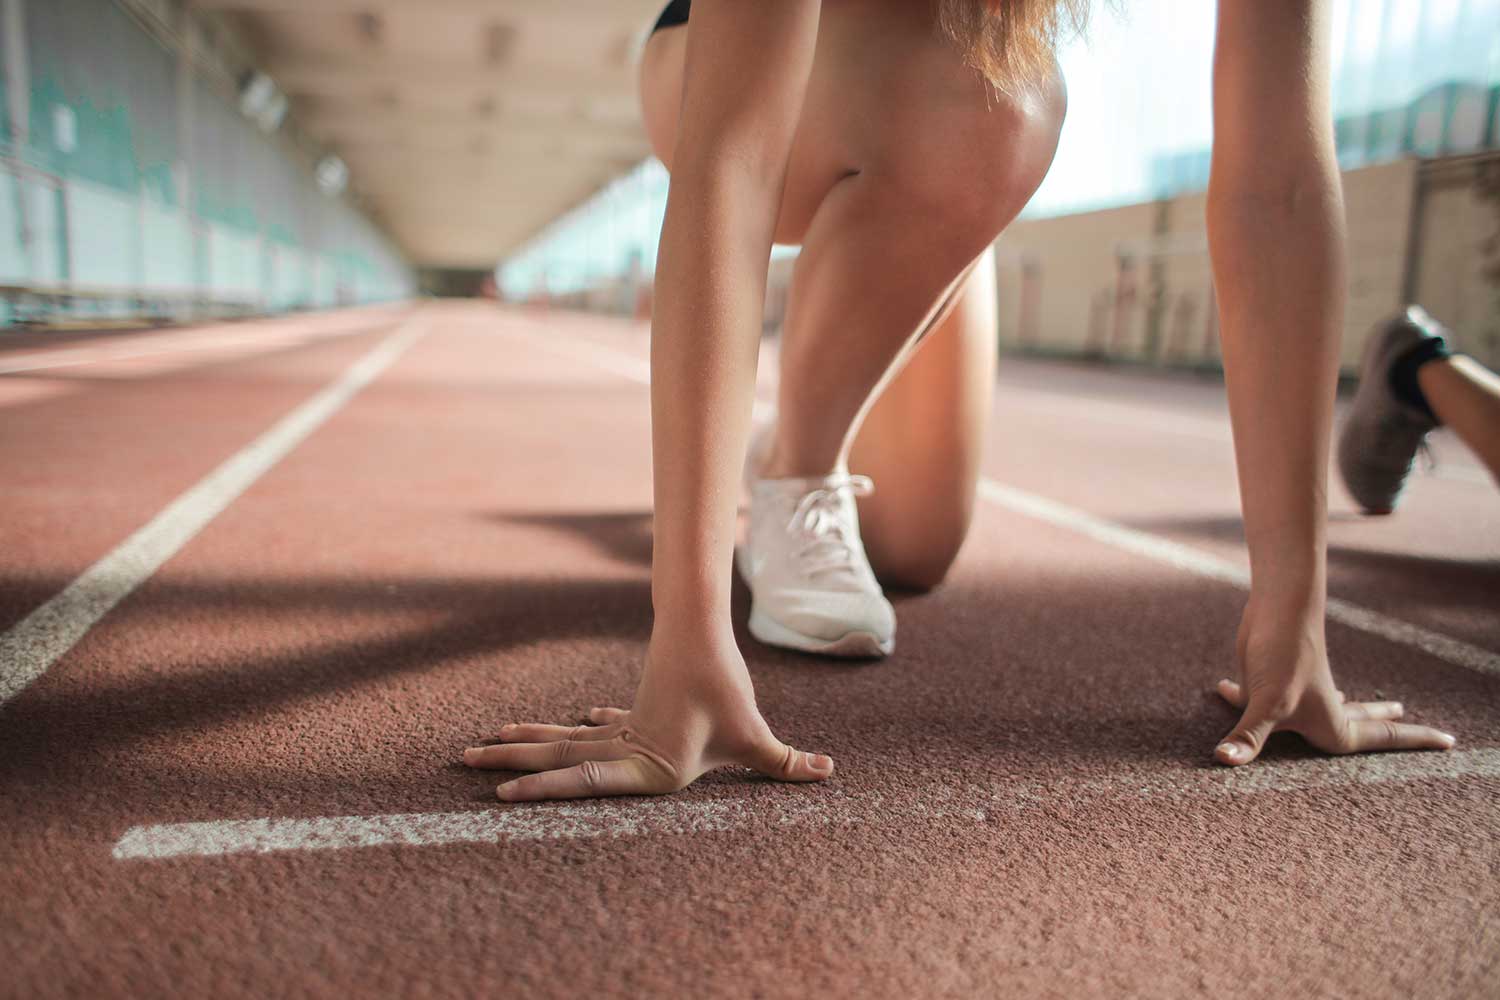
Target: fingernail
x=1231, y=750
x=503, y=793
x=469, y=754
x=1448, y=740
x=507, y=729
x=821, y=762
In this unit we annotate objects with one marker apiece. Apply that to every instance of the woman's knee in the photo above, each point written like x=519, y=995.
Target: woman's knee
x=913, y=549
x=976, y=166
x=906, y=566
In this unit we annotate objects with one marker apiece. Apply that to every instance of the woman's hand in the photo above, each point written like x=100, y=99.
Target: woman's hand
x=694, y=711
x=1286, y=685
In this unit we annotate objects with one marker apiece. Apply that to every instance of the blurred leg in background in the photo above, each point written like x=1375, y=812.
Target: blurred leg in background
x=1409, y=385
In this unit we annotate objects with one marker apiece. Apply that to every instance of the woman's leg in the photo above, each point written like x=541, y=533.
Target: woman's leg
x=1466, y=396
x=922, y=441
x=903, y=174
x=1408, y=386
x=897, y=257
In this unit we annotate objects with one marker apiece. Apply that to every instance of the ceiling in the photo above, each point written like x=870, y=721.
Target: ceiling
x=467, y=125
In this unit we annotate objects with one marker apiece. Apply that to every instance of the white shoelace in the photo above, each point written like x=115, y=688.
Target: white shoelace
x=829, y=539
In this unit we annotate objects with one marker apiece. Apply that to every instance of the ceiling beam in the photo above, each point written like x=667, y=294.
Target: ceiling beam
x=614, y=10
x=561, y=152
x=417, y=130
x=384, y=77
x=603, y=109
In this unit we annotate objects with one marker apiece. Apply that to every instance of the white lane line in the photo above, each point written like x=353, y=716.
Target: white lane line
x=608, y=359
x=72, y=357
x=1158, y=421
x=825, y=807
x=1181, y=557
x=1202, y=564
x=33, y=644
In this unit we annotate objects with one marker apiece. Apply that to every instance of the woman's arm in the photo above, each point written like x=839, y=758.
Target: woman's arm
x=746, y=73
x=1276, y=237
x=744, y=81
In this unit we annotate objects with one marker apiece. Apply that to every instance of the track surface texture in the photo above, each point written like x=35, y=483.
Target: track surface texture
x=229, y=758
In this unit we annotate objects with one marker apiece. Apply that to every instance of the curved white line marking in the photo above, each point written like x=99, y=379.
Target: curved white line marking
x=36, y=642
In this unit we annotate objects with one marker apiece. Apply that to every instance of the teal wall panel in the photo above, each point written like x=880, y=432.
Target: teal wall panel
x=97, y=186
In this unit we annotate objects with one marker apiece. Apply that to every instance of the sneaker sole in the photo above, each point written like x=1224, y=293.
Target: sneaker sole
x=856, y=645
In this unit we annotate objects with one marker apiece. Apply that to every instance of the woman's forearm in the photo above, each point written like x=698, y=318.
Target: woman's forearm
x=1280, y=327
x=1276, y=233
x=745, y=80
x=710, y=281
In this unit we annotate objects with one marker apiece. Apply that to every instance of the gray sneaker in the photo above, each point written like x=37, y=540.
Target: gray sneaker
x=1382, y=434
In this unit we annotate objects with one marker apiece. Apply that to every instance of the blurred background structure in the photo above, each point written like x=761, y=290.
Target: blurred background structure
x=174, y=159
x=167, y=158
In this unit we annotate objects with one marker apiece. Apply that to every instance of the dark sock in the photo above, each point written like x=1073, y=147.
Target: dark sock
x=1404, y=373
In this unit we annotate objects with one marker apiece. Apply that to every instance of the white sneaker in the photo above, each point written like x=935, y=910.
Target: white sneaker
x=810, y=582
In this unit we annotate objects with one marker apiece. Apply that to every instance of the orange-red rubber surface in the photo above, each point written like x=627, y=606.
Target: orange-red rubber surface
x=1024, y=803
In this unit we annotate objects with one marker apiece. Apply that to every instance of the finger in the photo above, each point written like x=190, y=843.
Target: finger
x=1359, y=710
x=1339, y=695
x=604, y=716
x=784, y=763
x=544, y=756
x=634, y=776
x=537, y=732
x=1245, y=741
x=1232, y=693
x=1365, y=735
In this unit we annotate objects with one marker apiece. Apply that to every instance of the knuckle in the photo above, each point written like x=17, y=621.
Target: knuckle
x=592, y=776
x=1282, y=706
x=1344, y=741
x=561, y=750
x=788, y=764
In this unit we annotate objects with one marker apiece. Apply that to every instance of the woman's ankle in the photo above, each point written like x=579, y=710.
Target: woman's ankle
x=784, y=463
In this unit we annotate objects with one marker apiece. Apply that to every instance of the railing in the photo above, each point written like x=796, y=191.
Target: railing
x=69, y=247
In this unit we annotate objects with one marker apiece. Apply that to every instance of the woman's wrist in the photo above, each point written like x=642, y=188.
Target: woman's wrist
x=1289, y=593
x=691, y=611
x=1291, y=565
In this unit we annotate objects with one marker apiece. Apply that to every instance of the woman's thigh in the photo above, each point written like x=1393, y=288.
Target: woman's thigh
x=886, y=95
x=814, y=168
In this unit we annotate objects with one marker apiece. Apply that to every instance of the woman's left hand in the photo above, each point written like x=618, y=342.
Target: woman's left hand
x=1286, y=686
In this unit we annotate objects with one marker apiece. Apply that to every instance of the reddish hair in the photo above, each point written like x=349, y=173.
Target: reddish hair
x=1011, y=42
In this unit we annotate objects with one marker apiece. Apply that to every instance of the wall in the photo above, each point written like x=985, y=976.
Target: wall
x=128, y=194
x=1456, y=249
x=1134, y=283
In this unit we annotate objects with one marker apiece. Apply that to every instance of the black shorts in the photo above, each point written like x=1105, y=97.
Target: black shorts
x=675, y=14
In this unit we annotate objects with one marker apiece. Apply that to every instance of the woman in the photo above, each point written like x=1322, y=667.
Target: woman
x=894, y=140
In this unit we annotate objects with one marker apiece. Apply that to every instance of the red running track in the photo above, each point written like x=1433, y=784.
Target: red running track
x=372, y=538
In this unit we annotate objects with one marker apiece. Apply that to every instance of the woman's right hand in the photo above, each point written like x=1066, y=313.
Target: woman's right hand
x=694, y=711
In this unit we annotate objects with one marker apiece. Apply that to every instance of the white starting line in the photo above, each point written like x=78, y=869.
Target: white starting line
x=181, y=342
x=811, y=807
